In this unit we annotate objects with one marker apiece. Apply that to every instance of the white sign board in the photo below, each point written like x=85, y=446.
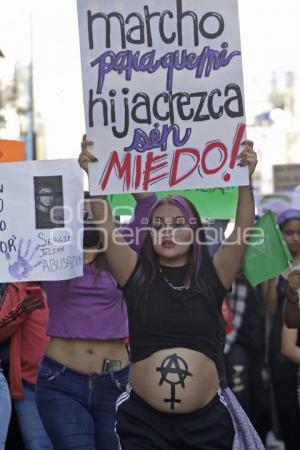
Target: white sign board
x=163, y=93
x=41, y=206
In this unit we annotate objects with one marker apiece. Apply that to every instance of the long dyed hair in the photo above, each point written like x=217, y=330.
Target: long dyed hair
x=197, y=254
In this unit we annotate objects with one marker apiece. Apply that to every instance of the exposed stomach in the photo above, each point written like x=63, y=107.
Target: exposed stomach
x=87, y=355
x=176, y=380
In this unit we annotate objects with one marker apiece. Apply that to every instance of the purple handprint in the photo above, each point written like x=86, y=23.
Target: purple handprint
x=23, y=266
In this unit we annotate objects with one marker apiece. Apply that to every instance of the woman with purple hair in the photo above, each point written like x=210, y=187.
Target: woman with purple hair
x=177, y=396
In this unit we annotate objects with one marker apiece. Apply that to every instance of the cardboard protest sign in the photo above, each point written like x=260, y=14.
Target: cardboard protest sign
x=41, y=205
x=212, y=203
x=11, y=150
x=163, y=94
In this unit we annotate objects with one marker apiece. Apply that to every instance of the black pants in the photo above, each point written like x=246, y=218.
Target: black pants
x=284, y=377
x=246, y=375
x=140, y=427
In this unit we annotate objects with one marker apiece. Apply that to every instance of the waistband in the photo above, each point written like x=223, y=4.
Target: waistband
x=57, y=366
x=215, y=401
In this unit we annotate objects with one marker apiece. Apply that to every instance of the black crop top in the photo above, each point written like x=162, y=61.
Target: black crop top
x=161, y=317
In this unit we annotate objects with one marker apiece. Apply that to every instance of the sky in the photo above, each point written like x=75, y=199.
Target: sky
x=269, y=43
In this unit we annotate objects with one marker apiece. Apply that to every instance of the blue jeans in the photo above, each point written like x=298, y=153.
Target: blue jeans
x=32, y=429
x=79, y=410
x=5, y=410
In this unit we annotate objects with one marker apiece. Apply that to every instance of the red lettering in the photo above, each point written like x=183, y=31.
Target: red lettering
x=151, y=167
x=212, y=146
x=178, y=153
x=138, y=171
x=236, y=144
x=235, y=149
x=122, y=169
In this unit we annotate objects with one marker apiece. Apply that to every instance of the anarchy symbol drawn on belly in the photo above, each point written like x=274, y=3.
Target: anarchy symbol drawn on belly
x=174, y=371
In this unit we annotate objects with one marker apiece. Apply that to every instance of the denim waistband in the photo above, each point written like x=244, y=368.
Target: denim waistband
x=57, y=366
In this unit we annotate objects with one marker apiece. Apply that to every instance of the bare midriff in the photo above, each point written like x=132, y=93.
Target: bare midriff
x=176, y=380
x=86, y=355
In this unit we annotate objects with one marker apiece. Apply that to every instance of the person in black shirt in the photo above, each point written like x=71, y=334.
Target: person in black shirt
x=290, y=220
x=173, y=292
x=284, y=372
x=245, y=353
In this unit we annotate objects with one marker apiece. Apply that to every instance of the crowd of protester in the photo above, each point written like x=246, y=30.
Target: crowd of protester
x=74, y=375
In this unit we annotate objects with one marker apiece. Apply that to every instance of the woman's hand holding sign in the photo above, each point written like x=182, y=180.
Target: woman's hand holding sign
x=86, y=156
x=248, y=157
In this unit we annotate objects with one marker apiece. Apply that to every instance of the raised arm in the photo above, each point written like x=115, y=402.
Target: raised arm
x=229, y=257
x=134, y=232
x=291, y=308
x=121, y=258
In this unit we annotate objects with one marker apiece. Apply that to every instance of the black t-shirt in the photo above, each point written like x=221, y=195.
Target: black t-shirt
x=252, y=331
x=277, y=324
x=161, y=317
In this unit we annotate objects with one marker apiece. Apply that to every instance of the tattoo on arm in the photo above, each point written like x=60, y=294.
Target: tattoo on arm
x=174, y=371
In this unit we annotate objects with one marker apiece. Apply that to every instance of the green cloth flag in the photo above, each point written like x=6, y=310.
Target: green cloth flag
x=267, y=254
x=213, y=203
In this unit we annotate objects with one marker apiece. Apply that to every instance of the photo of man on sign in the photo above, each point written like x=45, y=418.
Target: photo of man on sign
x=49, y=211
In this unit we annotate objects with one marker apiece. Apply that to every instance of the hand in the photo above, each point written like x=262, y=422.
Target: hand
x=23, y=265
x=294, y=281
x=30, y=303
x=139, y=196
x=248, y=157
x=86, y=156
